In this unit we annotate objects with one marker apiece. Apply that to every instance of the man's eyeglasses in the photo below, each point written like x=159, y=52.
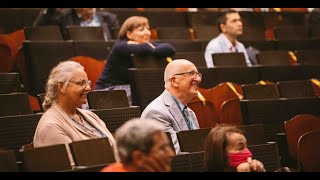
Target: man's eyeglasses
x=190, y=73
x=82, y=83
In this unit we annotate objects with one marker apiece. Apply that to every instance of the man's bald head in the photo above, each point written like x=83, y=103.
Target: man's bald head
x=175, y=67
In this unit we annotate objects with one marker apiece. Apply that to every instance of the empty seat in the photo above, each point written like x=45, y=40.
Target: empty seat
x=43, y=33
x=114, y=118
x=146, y=85
x=290, y=32
x=273, y=112
x=268, y=154
x=252, y=34
x=273, y=58
x=80, y=33
x=280, y=73
x=207, y=114
x=308, y=152
x=173, y=33
x=308, y=57
x=255, y=91
x=95, y=49
x=107, y=99
x=229, y=59
x=188, y=162
x=46, y=159
x=14, y=104
x=296, y=127
x=92, y=152
x=166, y=19
x=196, y=58
x=206, y=32
x=9, y=82
x=296, y=89
x=293, y=45
x=8, y=161
x=149, y=61
x=230, y=112
x=16, y=131
x=192, y=140
x=184, y=45
x=202, y=18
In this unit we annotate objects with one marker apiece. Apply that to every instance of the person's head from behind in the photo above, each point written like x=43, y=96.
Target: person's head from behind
x=225, y=146
x=135, y=28
x=182, y=79
x=230, y=23
x=67, y=83
x=142, y=144
x=86, y=13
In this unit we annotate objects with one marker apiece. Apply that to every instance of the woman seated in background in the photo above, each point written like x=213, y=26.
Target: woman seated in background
x=63, y=122
x=134, y=38
x=226, y=151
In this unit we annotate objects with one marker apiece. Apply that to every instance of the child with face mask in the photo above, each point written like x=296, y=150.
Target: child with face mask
x=226, y=151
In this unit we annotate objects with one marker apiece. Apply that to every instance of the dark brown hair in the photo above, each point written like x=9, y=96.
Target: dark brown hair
x=215, y=147
x=222, y=19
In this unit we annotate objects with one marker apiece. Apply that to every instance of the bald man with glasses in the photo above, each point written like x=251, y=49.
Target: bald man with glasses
x=182, y=80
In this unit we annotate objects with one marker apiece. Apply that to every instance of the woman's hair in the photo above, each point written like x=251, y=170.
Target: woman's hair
x=215, y=147
x=130, y=24
x=136, y=134
x=59, y=74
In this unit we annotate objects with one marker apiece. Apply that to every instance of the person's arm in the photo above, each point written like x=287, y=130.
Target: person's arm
x=52, y=134
x=130, y=47
x=210, y=49
x=168, y=127
x=164, y=49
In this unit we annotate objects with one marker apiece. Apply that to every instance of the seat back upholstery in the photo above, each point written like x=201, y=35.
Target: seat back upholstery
x=308, y=152
x=298, y=126
x=107, y=99
x=92, y=152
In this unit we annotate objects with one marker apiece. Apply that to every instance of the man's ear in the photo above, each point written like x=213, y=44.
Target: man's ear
x=174, y=82
x=223, y=27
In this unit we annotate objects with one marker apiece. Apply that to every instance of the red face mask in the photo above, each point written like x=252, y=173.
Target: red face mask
x=237, y=158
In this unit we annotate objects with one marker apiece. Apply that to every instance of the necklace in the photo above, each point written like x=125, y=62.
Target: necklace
x=90, y=129
x=82, y=125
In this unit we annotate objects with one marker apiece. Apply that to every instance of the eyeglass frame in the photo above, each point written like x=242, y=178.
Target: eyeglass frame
x=191, y=73
x=82, y=83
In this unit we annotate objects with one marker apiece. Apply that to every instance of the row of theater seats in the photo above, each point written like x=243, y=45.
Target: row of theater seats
x=204, y=33
x=255, y=22
x=147, y=84
x=192, y=144
x=299, y=150
x=278, y=110
x=92, y=155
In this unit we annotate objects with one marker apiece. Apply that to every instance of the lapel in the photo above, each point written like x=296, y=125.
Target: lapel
x=66, y=118
x=174, y=110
